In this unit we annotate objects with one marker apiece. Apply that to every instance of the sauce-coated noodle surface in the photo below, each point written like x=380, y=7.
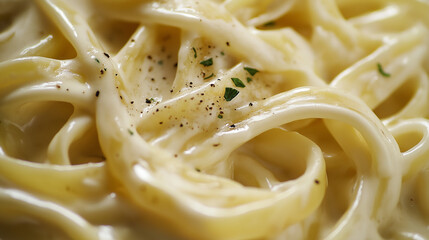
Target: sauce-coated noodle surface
x=211, y=119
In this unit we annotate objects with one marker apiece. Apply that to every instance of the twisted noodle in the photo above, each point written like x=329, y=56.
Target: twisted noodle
x=116, y=120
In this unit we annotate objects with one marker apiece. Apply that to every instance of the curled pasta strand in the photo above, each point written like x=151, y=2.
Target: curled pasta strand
x=79, y=94
x=22, y=71
x=239, y=42
x=401, y=58
x=417, y=106
x=74, y=28
x=58, y=150
x=14, y=202
x=55, y=181
x=415, y=156
x=267, y=10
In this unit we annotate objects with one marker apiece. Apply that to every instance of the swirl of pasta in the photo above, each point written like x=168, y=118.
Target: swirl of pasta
x=210, y=119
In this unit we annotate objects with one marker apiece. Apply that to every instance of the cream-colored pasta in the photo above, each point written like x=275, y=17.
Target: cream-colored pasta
x=210, y=119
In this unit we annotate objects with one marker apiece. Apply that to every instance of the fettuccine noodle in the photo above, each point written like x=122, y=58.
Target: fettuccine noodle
x=210, y=119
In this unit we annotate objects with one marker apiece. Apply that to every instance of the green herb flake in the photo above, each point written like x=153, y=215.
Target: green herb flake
x=96, y=59
x=160, y=62
x=238, y=83
x=222, y=53
x=211, y=75
x=195, y=52
x=230, y=93
x=150, y=100
x=207, y=62
x=220, y=116
x=381, y=71
x=249, y=79
x=269, y=24
x=130, y=132
x=251, y=71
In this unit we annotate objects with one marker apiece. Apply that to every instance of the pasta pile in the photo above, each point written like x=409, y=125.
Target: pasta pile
x=210, y=119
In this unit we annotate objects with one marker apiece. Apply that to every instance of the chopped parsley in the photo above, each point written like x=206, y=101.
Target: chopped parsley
x=130, y=132
x=222, y=53
x=230, y=93
x=96, y=59
x=220, y=116
x=195, y=52
x=160, y=62
x=211, y=75
x=249, y=79
x=251, y=71
x=238, y=82
x=150, y=100
x=381, y=71
x=207, y=62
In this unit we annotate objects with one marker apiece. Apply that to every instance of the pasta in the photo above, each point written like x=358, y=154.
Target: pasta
x=210, y=119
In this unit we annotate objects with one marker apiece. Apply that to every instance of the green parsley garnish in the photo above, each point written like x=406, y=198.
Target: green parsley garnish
x=211, y=75
x=160, y=62
x=381, y=71
x=220, y=116
x=222, y=53
x=238, y=82
x=252, y=71
x=150, y=100
x=249, y=79
x=207, y=62
x=230, y=93
x=96, y=59
x=269, y=24
x=130, y=132
x=195, y=52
